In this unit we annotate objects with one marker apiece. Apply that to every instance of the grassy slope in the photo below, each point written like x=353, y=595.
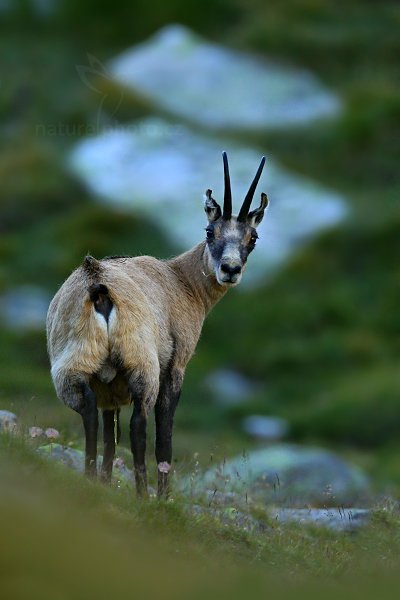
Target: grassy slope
x=64, y=536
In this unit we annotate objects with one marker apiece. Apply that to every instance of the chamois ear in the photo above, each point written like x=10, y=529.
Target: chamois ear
x=255, y=217
x=212, y=208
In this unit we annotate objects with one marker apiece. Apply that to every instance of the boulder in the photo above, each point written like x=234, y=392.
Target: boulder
x=335, y=519
x=287, y=475
x=338, y=519
x=70, y=457
x=214, y=499
x=8, y=422
x=75, y=459
x=180, y=73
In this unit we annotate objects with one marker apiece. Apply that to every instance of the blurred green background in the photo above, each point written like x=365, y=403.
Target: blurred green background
x=322, y=338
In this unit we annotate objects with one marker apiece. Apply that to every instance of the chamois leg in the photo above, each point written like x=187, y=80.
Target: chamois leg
x=138, y=426
x=88, y=412
x=109, y=444
x=143, y=388
x=164, y=413
x=73, y=389
x=118, y=432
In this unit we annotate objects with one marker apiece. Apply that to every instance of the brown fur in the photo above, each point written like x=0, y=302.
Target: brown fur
x=123, y=329
x=158, y=312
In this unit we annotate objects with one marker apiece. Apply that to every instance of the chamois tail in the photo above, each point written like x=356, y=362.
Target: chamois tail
x=93, y=269
x=98, y=292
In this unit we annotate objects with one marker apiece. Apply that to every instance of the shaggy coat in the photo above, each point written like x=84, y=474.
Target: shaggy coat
x=158, y=310
x=121, y=330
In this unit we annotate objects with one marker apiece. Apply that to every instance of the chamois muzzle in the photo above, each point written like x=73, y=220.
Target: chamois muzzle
x=230, y=274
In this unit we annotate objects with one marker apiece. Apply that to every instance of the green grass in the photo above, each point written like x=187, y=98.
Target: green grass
x=66, y=537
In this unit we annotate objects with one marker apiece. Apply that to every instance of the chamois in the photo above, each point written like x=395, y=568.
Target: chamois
x=122, y=330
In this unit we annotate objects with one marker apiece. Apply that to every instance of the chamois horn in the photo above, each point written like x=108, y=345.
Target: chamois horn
x=244, y=211
x=227, y=212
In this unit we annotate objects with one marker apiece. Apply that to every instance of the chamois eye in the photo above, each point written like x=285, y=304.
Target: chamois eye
x=209, y=233
x=254, y=238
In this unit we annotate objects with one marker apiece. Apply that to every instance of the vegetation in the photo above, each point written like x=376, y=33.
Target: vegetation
x=322, y=338
x=69, y=538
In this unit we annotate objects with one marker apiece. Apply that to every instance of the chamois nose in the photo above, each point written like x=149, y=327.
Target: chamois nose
x=229, y=270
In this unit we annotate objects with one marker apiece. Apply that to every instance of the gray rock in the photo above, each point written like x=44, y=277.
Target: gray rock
x=338, y=519
x=122, y=476
x=24, y=307
x=215, y=498
x=231, y=517
x=264, y=428
x=75, y=459
x=229, y=388
x=176, y=69
x=288, y=475
x=8, y=422
x=187, y=163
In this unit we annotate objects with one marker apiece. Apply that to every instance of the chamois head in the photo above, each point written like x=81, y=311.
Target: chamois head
x=230, y=239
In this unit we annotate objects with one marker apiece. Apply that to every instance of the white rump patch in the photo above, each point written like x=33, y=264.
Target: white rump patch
x=100, y=319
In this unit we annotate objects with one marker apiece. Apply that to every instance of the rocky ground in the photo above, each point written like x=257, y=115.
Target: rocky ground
x=290, y=484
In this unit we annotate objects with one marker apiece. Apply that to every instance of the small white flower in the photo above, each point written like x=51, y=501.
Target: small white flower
x=35, y=432
x=52, y=433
